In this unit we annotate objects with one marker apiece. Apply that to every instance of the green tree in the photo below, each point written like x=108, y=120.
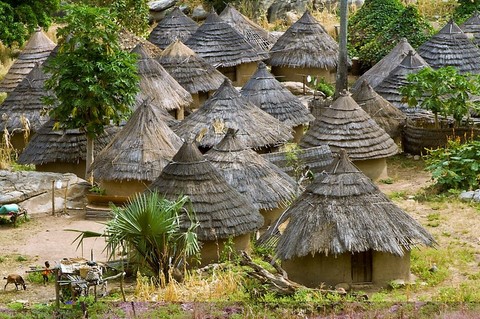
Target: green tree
x=464, y=9
x=94, y=81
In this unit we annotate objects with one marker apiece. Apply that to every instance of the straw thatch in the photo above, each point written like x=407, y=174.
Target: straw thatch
x=128, y=41
x=166, y=117
x=36, y=50
x=140, y=151
x=345, y=125
x=221, y=45
x=174, y=26
x=157, y=84
x=189, y=69
x=344, y=211
x=252, y=32
x=62, y=146
x=305, y=44
x=259, y=180
x=387, y=64
x=220, y=209
x=387, y=116
x=228, y=109
x=266, y=92
x=451, y=47
x=26, y=100
x=471, y=27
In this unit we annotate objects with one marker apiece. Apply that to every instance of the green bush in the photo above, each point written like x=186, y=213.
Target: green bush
x=465, y=9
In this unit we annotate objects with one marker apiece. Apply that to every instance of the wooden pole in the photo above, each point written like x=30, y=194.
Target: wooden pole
x=57, y=288
x=65, y=199
x=341, y=82
x=53, y=197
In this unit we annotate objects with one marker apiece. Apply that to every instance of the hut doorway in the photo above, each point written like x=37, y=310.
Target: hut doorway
x=229, y=72
x=362, y=267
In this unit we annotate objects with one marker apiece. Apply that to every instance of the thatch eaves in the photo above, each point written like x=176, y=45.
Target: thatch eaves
x=221, y=45
x=343, y=211
x=220, y=210
x=157, y=84
x=471, y=27
x=174, y=26
x=267, y=93
x=36, y=50
x=189, y=69
x=345, y=125
x=266, y=185
x=228, y=109
x=140, y=151
x=305, y=44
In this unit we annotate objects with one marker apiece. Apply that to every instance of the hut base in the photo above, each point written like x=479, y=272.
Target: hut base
x=269, y=217
x=211, y=251
x=298, y=133
x=300, y=74
x=375, y=169
x=58, y=167
x=124, y=188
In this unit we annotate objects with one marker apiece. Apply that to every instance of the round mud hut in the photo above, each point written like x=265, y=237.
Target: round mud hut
x=220, y=210
x=174, y=26
x=343, y=229
x=345, y=125
x=471, y=27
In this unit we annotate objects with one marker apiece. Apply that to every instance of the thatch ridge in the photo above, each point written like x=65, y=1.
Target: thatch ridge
x=264, y=90
x=220, y=209
x=174, y=26
x=228, y=109
x=344, y=211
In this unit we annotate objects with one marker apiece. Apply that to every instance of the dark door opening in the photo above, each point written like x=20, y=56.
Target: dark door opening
x=362, y=267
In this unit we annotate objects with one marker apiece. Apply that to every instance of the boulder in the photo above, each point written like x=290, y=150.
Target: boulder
x=297, y=88
x=161, y=5
x=466, y=196
x=476, y=196
x=199, y=13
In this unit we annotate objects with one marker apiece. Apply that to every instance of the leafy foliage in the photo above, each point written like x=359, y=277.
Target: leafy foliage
x=465, y=9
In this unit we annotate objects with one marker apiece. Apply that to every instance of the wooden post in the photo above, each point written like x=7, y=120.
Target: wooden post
x=53, y=197
x=65, y=199
x=57, y=287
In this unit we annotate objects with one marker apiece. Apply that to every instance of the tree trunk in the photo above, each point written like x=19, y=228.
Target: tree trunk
x=342, y=68
x=89, y=159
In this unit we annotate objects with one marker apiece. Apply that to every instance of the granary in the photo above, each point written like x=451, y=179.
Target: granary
x=137, y=154
x=304, y=49
x=191, y=71
x=471, y=27
x=220, y=210
x=62, y=151
x=36, y=50
x=345, y=125
x=157, y=84
x=174, y=26
x=387, y=64
x=257, y=36
x=264, y=184
x=226, y=49
x=267, y=93
x=343, y=229
x=451, y=47
x=228, y=109
x=23, y=111
x=385, y=114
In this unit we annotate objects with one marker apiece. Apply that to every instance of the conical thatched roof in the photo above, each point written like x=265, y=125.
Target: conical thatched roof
x=189, y=69
x=387, y=116
x=305, y=44
x=451, y=47
x=389, y=87
x=266, y=92
x=26, y=100
x=262, y=182
x=174, y=26
x=61, y=146
x=166, y=117
x=228, y=109
x=344, y=211
x=221, y=45
x=345, y=125
x=36, y=50
x=220, y=209
x=382, y=68
x=128, y=41
x=157, y=84
x=252, y=32
x=471, y=27
x=141, y=150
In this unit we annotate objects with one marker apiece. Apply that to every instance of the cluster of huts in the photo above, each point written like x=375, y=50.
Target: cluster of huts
x=213, y=121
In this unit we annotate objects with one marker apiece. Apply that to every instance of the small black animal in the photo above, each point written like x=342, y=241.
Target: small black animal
x=15, y=279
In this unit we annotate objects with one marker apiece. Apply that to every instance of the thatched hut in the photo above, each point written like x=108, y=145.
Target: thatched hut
x=128, y=41
x=23, y=111
x=220, y=210
x=267, y=93
x=304, y=49
x=257, y=36
x=191, y=71
x=226, y=49
x=471, y=27
x=158, y=85
x=345, y=125
x=228, y=109
x=343, y=229
x=174, y=26
x=36, y=50
x=62, y=151
x=387, y=116
x=451, y=47
x=137, y=154
x=264, y=184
